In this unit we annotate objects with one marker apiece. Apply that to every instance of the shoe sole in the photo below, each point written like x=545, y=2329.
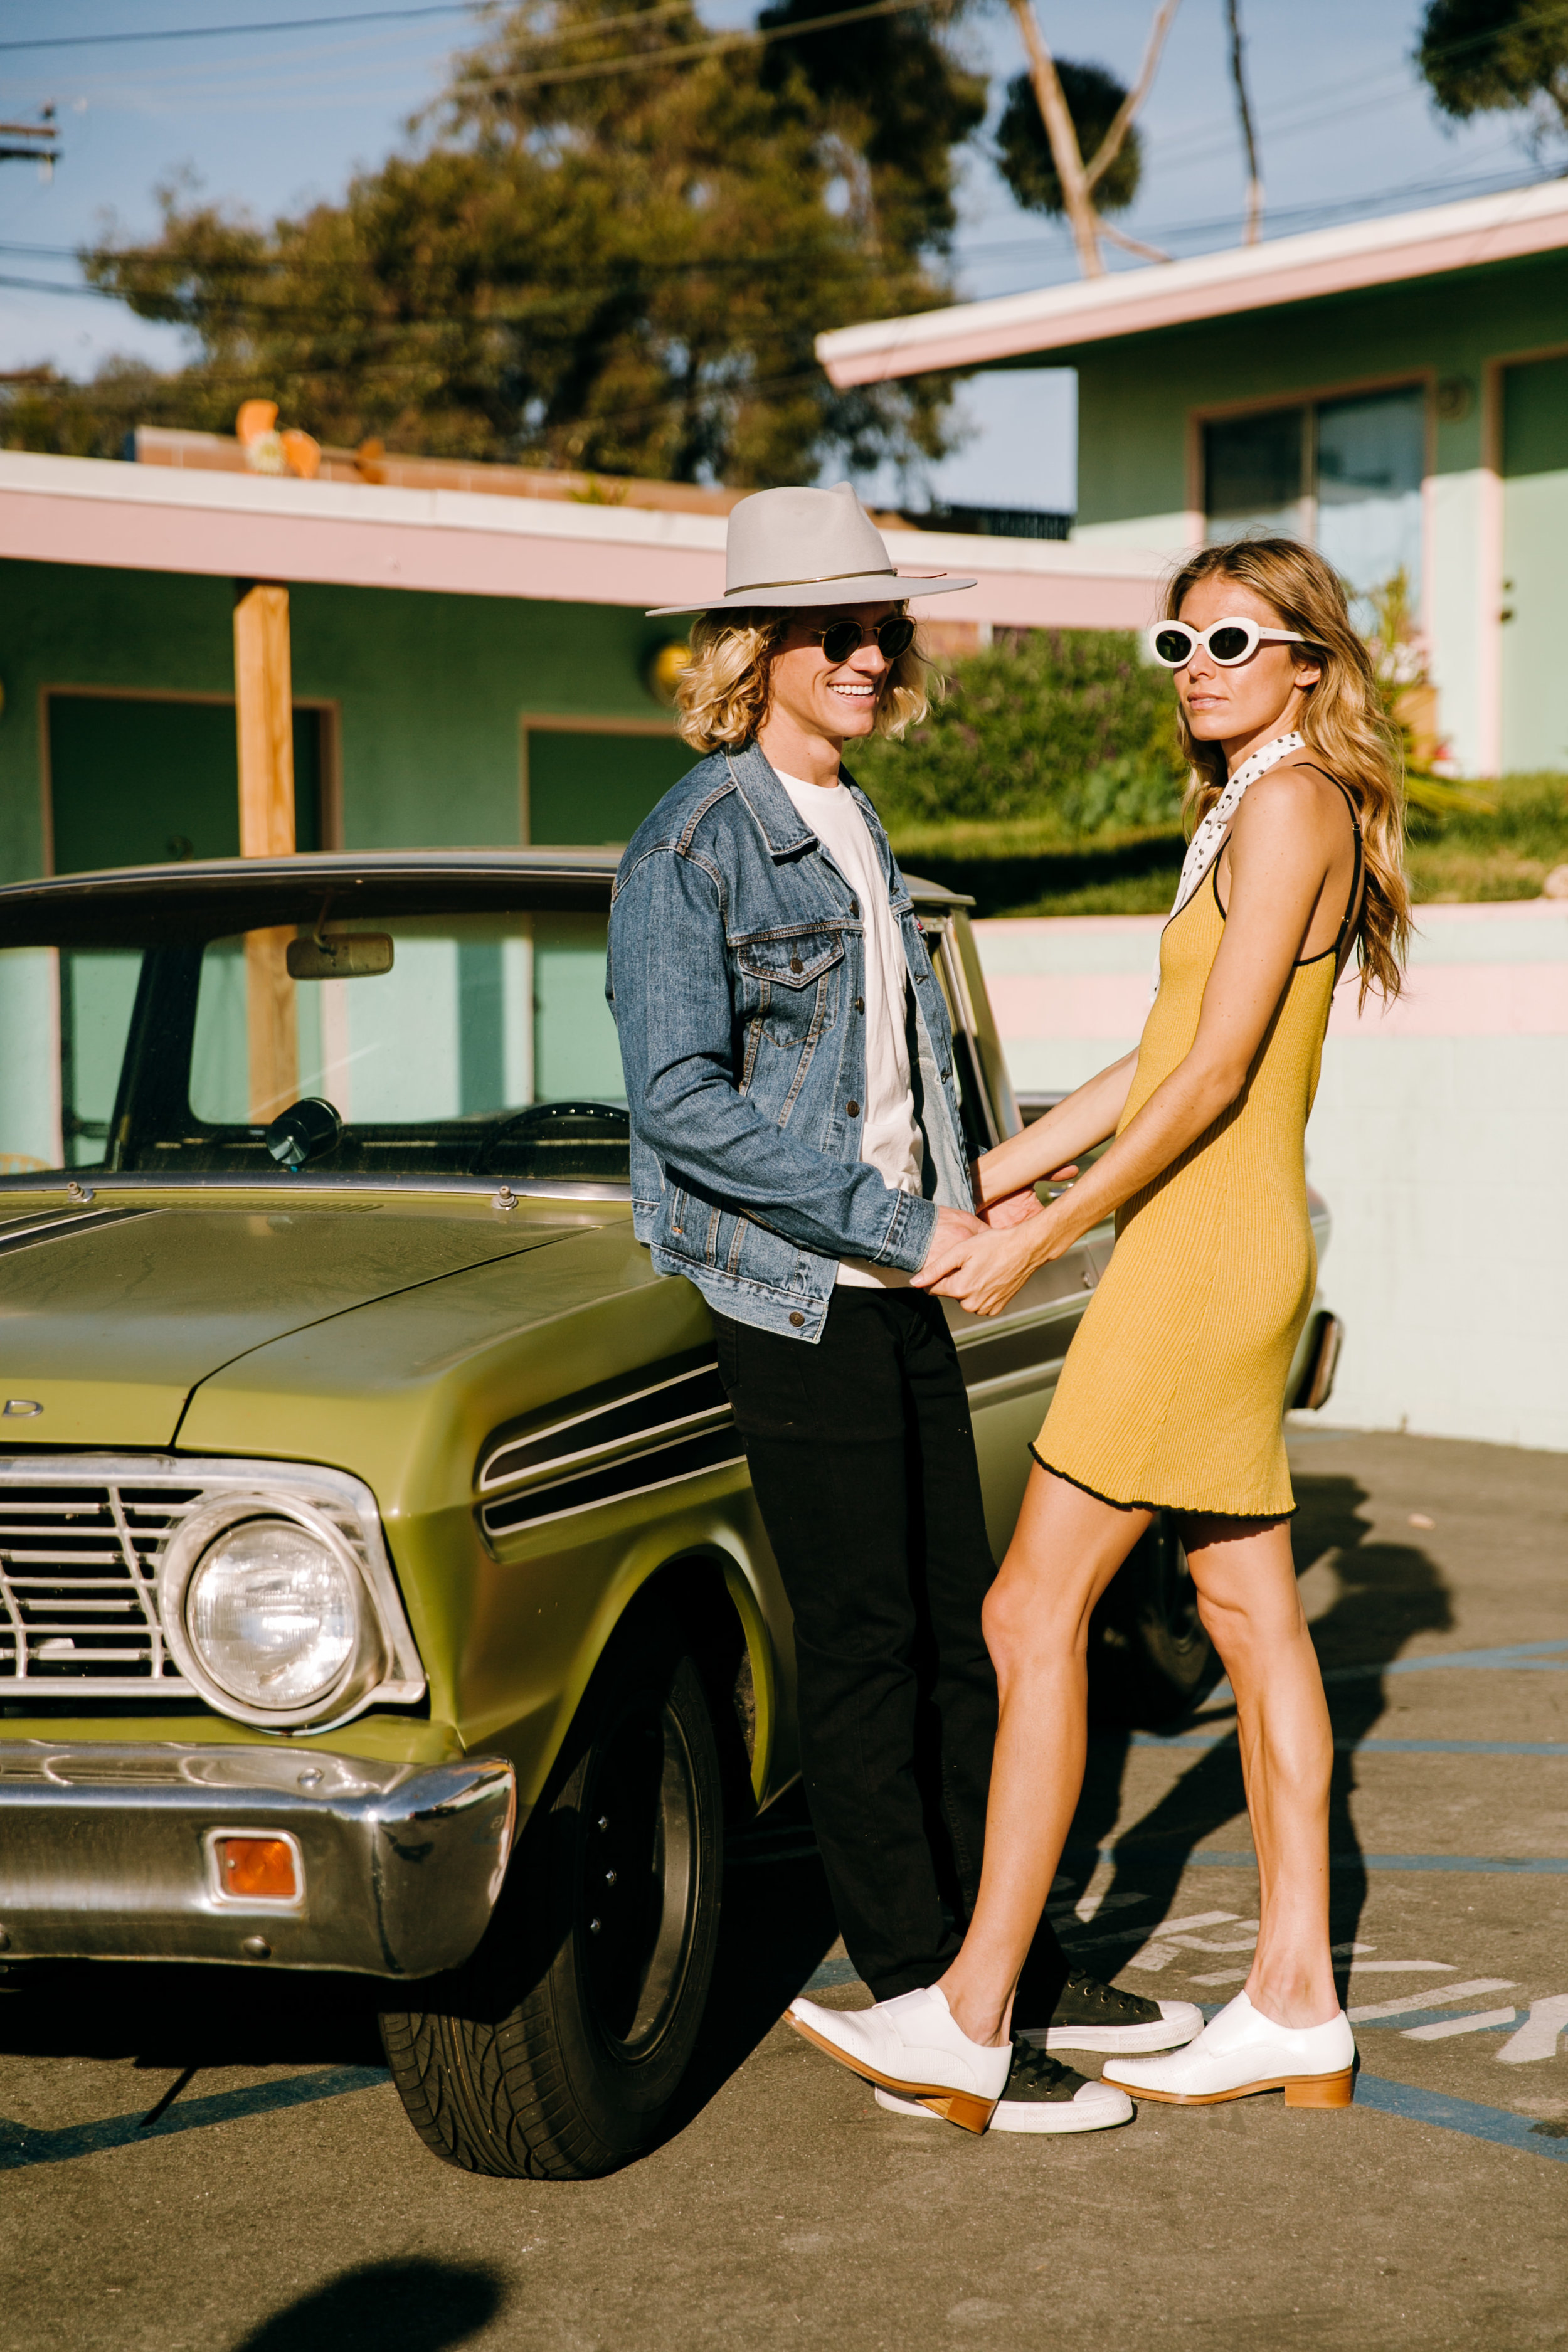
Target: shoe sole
x=967, y=2109
x=1300, y=2091
x=1114, y=2040
x=1067, y=2117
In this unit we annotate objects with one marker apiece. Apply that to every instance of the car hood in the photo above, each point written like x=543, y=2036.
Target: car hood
x=111, y=1316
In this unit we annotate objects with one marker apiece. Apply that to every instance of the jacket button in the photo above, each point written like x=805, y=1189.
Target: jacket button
x=859, y=1005
x=797, y=1318
x=854, y=1109
x=795, y=964
x=854, y=906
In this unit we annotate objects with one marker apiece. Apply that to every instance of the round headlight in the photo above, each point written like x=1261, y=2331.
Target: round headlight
x=273, y=1614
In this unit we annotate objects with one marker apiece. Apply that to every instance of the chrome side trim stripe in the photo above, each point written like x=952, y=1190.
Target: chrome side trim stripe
x=643, y=1472
x=689, y=1398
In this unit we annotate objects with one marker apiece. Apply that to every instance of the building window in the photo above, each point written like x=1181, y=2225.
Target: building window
x=1345, y=475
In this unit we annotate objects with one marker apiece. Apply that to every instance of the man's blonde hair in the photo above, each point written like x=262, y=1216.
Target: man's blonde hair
x=721, y=695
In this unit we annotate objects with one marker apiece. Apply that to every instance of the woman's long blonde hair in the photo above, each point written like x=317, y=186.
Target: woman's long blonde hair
x=721, y=694
x=1344, y=722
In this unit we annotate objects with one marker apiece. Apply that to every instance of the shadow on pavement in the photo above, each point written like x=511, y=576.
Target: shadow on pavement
x=1388, y=1593
x=166, y=2017
x=777, y=1923
x=403, y=2306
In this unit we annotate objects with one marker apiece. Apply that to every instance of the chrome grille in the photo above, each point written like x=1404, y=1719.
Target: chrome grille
x=78, y=1565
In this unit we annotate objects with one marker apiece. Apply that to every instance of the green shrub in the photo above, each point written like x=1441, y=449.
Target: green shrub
x=1066, y=725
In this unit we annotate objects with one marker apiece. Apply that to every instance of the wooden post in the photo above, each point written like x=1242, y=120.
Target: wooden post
x=264, y=708
x=264, y=713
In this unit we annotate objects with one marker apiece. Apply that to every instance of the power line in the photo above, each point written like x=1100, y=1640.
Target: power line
x=215, y=32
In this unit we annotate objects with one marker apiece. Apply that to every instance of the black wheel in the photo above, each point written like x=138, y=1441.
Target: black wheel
x=554, y=2053
x=1150, y=1659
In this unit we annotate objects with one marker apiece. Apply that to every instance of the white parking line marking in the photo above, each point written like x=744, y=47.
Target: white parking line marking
x=1476, y=2021
x=1135, y=1935
x=1391, y=1968
x=1244, y=1942
x=1432, y=1999
x=1537, y=2037
x=1089, y=1906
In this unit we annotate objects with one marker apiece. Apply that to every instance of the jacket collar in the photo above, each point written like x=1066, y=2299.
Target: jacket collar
x=773, y=812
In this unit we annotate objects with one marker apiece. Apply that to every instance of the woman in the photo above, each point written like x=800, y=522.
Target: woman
x=1173, y=1392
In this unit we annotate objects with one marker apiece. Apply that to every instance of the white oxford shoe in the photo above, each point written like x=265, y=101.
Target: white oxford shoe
x=1041, y=2096
x=912, y=2047
x=1241, y=2051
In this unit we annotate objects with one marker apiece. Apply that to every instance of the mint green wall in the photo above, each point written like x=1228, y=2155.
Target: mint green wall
x=1136, y=399
x=430, y=688
x=1135, y=395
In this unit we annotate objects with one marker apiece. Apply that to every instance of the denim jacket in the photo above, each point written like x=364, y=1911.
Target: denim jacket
x=737, y=978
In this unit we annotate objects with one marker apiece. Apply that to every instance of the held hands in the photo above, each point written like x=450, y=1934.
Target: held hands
x=981, y=1265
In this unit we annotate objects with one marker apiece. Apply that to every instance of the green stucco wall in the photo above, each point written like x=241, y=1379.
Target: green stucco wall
x=430, y=690
x=1137, y=398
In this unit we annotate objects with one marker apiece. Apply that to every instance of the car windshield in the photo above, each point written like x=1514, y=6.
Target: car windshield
x=458, y=1041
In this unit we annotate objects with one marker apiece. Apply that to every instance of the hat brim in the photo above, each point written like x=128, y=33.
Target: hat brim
x=808, y=595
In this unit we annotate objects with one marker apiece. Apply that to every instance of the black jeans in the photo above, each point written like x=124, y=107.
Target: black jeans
x=862, y=1460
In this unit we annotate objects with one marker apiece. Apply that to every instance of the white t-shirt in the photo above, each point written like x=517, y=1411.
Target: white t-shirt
x=890, y=1140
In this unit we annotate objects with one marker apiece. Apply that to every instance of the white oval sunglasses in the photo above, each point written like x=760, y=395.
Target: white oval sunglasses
x=1228, y=642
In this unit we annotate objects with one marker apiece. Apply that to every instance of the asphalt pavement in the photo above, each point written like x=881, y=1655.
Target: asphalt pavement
x=200, y=2161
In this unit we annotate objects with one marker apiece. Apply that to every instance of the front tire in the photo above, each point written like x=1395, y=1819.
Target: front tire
x=556, y=2051
x=1150, y=1659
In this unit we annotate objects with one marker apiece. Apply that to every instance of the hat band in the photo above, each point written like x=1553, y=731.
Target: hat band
x=813, y=580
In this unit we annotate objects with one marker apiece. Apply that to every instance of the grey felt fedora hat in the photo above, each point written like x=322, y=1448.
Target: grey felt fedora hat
x=791, y=547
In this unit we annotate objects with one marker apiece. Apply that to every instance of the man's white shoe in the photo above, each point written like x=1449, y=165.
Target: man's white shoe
x=1041, y=2096
x=911, y=2046
x=1240, y=2052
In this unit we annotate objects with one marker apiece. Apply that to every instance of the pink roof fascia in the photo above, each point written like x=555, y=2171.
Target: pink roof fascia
x=160, y=519
x=1468, y=235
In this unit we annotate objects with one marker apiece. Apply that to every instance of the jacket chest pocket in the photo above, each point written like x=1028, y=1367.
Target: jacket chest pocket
x=788, y=987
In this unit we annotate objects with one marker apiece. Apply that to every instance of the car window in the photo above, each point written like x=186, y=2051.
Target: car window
x=475, y=1044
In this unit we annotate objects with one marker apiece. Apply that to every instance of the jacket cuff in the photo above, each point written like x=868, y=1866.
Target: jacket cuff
x=907, y=1239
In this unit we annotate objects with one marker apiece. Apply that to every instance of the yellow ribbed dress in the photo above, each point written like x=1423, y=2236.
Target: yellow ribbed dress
x=1174, y=1389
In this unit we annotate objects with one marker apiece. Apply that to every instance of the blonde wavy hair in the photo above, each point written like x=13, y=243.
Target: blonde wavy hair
x=721, y=695
x=1344, y=723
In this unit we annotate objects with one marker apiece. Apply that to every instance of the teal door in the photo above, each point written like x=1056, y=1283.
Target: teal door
x=590, y=788
x=1536, y=584
x=138, y=782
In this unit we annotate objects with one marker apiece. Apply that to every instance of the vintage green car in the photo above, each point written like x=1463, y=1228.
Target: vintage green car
x=381, y=1587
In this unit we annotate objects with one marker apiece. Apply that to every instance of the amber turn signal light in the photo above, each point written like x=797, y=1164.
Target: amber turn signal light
x=257, y=1869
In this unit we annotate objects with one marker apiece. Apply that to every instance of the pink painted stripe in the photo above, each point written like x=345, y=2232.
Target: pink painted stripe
x=1464, y=1000
x=1499, y=1000
x=1069, y=1004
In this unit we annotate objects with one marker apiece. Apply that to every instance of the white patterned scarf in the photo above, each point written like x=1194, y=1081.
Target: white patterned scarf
x=1209, y=839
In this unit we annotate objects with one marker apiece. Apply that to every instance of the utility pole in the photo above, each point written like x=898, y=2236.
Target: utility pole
x=1252, y=230
x=42, y=146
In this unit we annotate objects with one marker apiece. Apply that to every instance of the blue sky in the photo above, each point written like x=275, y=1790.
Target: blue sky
x=271, y=121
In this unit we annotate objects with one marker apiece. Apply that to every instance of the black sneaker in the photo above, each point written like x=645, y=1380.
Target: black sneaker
x=1040, y=2095
x=1090, y=2015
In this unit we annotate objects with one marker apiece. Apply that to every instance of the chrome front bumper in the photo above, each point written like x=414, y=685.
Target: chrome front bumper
x=106, y=1853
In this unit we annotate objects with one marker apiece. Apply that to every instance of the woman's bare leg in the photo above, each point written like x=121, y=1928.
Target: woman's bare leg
x=1065, y=1550
x=1246, y=1581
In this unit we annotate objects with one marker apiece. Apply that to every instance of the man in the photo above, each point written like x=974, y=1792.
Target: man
x=796, y=1147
